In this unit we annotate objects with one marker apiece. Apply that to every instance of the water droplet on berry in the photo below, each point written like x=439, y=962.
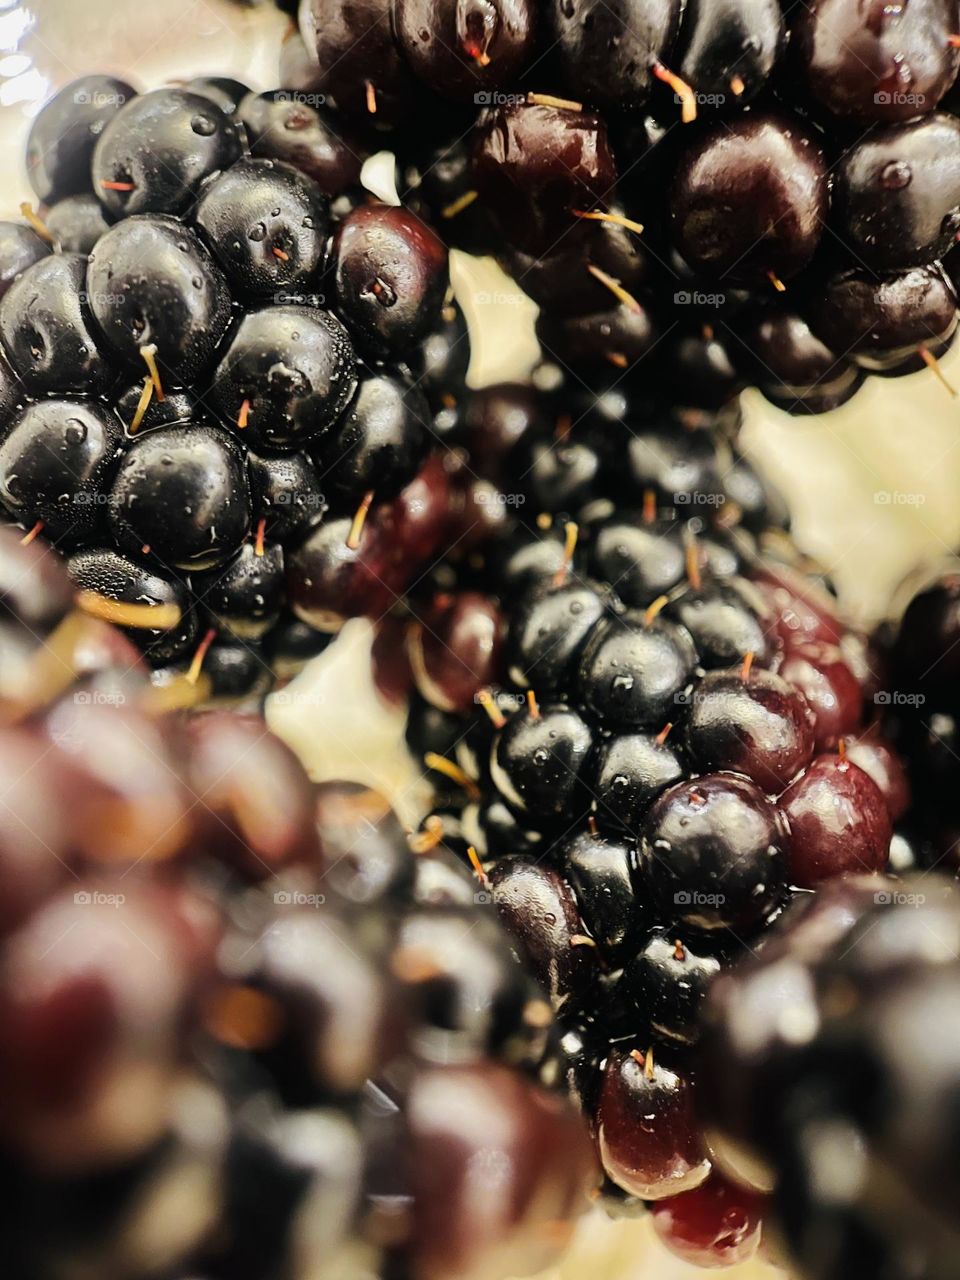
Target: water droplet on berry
x=203, y=125
x=895, y=176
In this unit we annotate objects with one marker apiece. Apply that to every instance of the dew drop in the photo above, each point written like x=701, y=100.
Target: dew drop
x=203, y=125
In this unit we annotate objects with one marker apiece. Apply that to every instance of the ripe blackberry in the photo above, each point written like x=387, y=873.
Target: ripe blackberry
x=851, y=980
x=673, y=697
x=226, y=920
x=182, y=408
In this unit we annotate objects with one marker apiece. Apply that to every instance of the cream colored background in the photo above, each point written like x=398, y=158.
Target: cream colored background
x=874, y=487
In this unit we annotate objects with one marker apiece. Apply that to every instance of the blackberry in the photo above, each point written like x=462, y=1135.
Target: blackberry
x=675, y=690
x=852, y=973
x=182, y=408
x=264, y=912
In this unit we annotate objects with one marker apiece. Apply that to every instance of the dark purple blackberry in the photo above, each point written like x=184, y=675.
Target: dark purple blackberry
x=539, y=761
x=287, y=494
x=358, y=61
x=156, y=151
x=875, y=65
x=381, y=439
x=885, y=324
x=465, y=49
x=896, y=195
x=246, y=595
x=390, y=278
x=535, y=163
x=56, y=462
x=280, y=126
x=46, y=328
x=286, y=376
x=852, y=981
x=76, y=223
x=181, y=494
x=749, y=200
x=152, y=284
x=128, y=582
x=668, y=980
x=63, y=136
x=792, y=366
x=20, y=248
x=608, y=55
x=226, y=93
x=265, y=223
x=728, y=50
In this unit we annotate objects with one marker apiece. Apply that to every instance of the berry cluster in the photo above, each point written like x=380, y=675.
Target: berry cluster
x=241, y=1013
x=674, y=737
x=754, y=192
x=212, y=340
x=829, y=1073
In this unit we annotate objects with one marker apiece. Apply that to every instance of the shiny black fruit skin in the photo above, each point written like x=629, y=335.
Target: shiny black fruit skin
x=294, y=365
x=591, y=343
x=175, y=407
x=165, y=143
x=287, y=493
x=76, y=223
x=20, y=248
x=881, y=323
x=55, y=463
x=226, y=93
x=630, y=770
x=667, y=981
x=601, y=872
x=606, y=51
x=792, y=366
x=712, y=853
x=749, y=197
x=298, y=134
x=46, y=330
x=354, y=46
x=182, y=492
x=265, y=223
x=119, y=578
x=381, y=440
x=538, y=761
x=896, y=195
x=872, y=62
x=728, y=48
x=150, y=280
x=460, y=48
x=63, y=136
x=632, y=672
x=533, y=164
x=390, y=276
x=236, y=670
x=246, y=595
x=548, y=632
